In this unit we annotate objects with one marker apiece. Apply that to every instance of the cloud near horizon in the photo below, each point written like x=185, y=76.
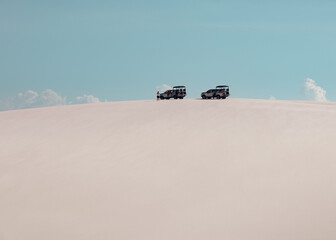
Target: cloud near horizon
x=163, y=88
x=47, y=98
x=314, y=92
x=87, y=99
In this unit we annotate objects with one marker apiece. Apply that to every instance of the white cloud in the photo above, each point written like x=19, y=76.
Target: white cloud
x=31, y=99
x=47, y=98
x=163, y=87
x=87, y=99
x=314, y=92
x=51, y=98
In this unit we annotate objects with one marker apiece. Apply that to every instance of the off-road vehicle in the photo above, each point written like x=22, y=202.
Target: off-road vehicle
x=177, y=92
x=222, y=91
x=166, y=95
x=209, y=94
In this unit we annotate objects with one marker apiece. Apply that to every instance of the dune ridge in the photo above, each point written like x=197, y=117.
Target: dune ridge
x=178, y=169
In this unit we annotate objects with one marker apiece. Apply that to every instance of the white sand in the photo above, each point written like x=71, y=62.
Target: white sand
x=230, y=169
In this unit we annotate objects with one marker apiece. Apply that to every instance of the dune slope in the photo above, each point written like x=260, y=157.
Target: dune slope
x=186, y=169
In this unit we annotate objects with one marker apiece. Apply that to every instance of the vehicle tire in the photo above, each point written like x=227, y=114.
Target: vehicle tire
x=203, y=97
x=224, y=97
x=218, y=97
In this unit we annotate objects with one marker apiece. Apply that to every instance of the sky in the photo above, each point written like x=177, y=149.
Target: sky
x=123, y=50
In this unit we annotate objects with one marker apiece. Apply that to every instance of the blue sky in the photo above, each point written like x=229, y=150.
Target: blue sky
x=123, y=50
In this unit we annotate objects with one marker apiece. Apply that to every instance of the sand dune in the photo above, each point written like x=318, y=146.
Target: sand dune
x=235, y=169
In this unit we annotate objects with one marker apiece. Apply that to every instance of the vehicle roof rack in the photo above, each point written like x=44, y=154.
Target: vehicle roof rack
x=220, y=86
x=179, y=87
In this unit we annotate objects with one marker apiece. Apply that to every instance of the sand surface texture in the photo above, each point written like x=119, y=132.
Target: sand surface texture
x=234, y=169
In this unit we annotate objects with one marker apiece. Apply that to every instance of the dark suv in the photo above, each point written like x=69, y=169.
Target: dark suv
x=221, y=91
x=209, y=94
